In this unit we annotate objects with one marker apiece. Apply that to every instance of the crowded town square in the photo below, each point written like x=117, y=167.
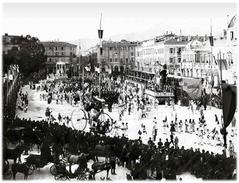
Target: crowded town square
x=164, y=108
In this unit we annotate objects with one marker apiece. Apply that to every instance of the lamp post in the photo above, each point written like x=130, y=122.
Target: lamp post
x=100, y=35
x=82, y=82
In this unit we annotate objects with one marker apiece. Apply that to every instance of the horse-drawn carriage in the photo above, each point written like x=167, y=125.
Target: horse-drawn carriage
x=35, y=161
x=59, y=171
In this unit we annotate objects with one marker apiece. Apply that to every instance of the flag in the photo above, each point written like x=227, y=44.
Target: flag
x=100, y=33
x=97, y=69
x=229, y=104
x=193, y=87
x=224, y=64
x=211, y=40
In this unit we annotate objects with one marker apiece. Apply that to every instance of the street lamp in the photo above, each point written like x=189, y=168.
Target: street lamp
x=100, y=35
x=82, y=83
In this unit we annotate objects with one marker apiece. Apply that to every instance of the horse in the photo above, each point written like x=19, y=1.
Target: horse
x=21, y=168
x=14, y=135
x=81, y=159
x=101, y=166
x=103, y=150
x=14, y=153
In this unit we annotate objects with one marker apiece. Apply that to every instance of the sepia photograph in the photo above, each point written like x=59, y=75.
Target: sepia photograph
x=119, y=91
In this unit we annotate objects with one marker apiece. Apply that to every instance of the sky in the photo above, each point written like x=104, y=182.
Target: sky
x=71, y=21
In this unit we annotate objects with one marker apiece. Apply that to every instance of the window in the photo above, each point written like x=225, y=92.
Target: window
x=110, y=48
x=232, y=35
x=56, y=53
x=127, y=60
x=62, y=54
x=110, y=59
x=179, y=60
x=171, y=60
x=171, y=50
x=62, y=48
x=115, y=59
x=179, y=51
x=132, y=53
x=56, y=48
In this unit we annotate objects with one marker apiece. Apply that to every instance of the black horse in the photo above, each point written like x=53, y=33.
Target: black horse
x=104, y=151
x=14, y=153
x=101, y=166
x=21, y=168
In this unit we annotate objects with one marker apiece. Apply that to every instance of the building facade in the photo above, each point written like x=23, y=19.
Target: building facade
x=10, y=42
x=173, y=49
x=117, y=57
x=59, y=56
x=225, y=51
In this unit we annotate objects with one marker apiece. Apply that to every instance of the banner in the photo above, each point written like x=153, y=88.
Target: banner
x=211, y=40
x=229, y=104
x=100, y=33
x=193, y=87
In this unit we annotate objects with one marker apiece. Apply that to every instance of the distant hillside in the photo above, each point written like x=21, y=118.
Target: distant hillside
x=148, y=33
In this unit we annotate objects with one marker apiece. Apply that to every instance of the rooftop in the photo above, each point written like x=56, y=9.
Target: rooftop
x=57, y=43
x=176, y=41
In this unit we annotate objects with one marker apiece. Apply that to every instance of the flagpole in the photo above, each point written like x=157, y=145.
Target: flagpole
x=220, y=71
x=83, y=84
x=100, y=34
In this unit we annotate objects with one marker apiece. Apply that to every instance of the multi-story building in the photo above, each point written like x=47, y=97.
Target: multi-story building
x=196, y=59
x=59, y=55
x=150, y=57
x=225, y=51
x=200, y=59
x=117, y=57
x=173, y=54
x=10, y=42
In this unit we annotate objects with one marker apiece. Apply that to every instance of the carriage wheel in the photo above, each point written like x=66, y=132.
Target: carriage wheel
x=61, y=177
x=79, y=119
x=103, y=117
x=53, y=169
x=31, y=169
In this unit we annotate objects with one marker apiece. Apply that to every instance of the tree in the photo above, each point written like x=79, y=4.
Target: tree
x=29, y=55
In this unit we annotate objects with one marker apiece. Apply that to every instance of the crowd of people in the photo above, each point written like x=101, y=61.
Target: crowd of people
x=145, y=161
x=22, y=101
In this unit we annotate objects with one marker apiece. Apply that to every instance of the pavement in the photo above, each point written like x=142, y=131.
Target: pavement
x=36, y=111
